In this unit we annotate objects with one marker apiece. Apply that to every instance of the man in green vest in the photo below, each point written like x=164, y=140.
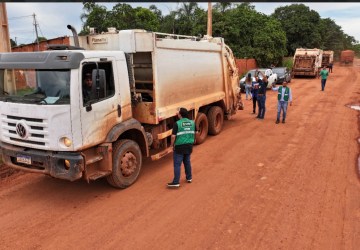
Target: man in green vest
x=182, y=140
x=324, y=74
x=284, y=97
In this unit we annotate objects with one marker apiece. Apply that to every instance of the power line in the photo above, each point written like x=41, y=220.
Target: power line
x=13, y=18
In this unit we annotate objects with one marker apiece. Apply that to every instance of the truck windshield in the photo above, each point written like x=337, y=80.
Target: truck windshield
x=34, y=86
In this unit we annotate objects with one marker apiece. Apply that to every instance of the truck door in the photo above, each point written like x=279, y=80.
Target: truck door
x=99, y=110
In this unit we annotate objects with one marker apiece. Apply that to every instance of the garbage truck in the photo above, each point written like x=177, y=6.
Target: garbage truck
x=327, y=58
x=139, y=81
x=307, y=62
x=347, y=57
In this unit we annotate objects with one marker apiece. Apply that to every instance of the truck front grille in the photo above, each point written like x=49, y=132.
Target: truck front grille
x=37, y=134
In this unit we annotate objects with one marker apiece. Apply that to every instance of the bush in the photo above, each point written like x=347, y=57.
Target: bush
x=287, y=62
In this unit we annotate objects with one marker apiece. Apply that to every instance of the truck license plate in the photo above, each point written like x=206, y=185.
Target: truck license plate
x=23, y=159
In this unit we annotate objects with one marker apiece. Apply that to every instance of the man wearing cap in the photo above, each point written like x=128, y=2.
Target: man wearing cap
x=284, y=97
x=182, y=140
x=87, y=87
x=324, y=74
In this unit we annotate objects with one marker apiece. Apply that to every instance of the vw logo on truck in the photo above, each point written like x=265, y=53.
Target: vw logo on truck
x=22, y=129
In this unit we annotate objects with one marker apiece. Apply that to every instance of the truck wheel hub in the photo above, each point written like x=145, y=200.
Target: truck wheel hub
x=128, y=164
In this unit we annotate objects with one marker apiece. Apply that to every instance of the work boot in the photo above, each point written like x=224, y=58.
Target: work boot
x=283, y=120
x=277, y=121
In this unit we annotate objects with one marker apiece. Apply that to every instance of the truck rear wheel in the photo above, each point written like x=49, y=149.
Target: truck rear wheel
x=202, y=126
x=127, y=161
x=216, y=120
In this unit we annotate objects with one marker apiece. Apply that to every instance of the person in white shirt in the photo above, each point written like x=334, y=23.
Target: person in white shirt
x=284, y=97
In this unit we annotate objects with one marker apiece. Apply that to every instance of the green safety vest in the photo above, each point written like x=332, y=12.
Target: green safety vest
x=286, y=95
x=186, y=132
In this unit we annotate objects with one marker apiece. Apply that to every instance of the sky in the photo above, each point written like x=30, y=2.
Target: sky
x=54, y=17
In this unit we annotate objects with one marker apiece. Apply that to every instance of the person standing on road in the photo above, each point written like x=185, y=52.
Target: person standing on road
x=254, y=92
x=324, y=74
x=330, y=66
x=248, y=82
x=182, y=140
x=261, y=96
x=284, y=97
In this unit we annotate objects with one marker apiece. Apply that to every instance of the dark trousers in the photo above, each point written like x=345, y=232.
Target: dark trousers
x=254, y=103
x=261, y=103
x=323, y=83
x=178, y=159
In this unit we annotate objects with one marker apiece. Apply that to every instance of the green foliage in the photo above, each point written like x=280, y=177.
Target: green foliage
x=302, y=26
x=287, y=62
x=122, y=16
x=12, y=43
x=40, y=38
x=248, y=33
x=356, y=48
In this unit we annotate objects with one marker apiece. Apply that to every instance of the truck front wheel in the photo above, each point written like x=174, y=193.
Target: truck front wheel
x=216, y=120
x=202, y=126
x=127, y=161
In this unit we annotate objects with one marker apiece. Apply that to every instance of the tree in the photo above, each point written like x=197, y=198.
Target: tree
x=146, y=19
x=187, y=18
x=301, y=26
x=222, y=6
x=95, y=16
x=156, y=11
x=251, y=34
x=12, y=43
x=122, y=16
x=40, y=38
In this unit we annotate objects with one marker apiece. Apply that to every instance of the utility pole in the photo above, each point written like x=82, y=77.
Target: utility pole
x=36, y=31
x=4, y=30
x=209, y=21
x=8, y=76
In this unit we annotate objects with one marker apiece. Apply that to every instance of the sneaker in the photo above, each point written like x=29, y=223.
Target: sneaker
x=189, y=181
x=277, y=121
x=283, y=121
x=173, y=185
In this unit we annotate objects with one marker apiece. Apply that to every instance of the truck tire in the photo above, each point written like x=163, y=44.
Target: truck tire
x=127, y=161
x=216, y=120
x=202, y=126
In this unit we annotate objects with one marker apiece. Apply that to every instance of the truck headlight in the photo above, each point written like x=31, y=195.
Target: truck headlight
x=66, y=141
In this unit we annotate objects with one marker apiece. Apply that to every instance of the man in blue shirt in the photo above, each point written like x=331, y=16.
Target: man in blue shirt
x=284, y=97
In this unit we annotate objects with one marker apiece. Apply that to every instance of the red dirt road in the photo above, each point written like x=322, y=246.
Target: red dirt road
x=304, y=195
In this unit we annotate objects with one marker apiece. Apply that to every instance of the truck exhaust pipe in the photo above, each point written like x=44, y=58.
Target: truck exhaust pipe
x=209, y=20
x=76, y=38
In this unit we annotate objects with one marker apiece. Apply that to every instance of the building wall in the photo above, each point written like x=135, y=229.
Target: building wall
x=43, y=45
x=245, y=65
